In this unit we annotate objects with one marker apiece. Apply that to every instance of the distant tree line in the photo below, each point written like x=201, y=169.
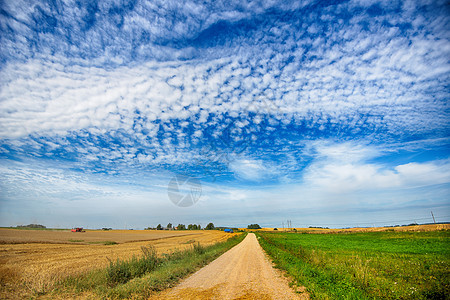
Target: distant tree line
x=169, y=226
x=253, y=226
x=31, y=226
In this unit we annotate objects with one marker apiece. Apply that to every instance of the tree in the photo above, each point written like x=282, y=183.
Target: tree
x=199, y=227
x=181, y=227
x=192, y=227
x=159, y=227
x=31, y=226
x=210, y=226
x=253, y=226
x=169, y=226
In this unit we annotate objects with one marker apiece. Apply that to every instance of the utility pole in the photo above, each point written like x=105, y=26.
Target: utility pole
x=433, y=217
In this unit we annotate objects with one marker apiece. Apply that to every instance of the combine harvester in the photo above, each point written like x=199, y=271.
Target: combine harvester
x=78, y=229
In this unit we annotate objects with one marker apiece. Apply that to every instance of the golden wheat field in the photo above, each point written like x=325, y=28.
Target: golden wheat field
x=33, y=260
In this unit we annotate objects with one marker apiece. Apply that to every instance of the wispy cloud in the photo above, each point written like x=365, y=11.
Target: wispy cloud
x=253, y=170
x=347, y=97
x=343, y=168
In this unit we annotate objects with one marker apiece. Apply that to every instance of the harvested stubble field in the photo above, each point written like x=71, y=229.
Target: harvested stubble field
x=33, y=260
x=22, y=236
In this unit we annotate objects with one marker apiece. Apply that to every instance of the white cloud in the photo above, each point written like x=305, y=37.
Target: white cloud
x=344, y=168
x=381, y=72
x=422, y=174
x=252, y=169
x=97, y=96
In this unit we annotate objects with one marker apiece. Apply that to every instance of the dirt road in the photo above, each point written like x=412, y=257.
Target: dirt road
x=244, y=272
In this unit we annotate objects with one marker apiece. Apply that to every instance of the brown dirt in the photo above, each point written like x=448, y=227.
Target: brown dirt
x=32, y=267
x=244, y=272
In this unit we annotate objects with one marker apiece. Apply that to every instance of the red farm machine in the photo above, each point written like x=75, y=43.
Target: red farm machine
x=78, y=229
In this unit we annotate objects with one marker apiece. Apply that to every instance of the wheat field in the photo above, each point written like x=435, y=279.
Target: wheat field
x=32, y=261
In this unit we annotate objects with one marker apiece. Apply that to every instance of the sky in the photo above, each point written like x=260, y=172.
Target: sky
x=127, y=114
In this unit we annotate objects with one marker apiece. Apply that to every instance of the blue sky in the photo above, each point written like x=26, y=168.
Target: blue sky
x=331, y=113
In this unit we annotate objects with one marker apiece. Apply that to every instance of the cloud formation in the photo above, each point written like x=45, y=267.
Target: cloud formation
x=347, y=96
x=343, y=168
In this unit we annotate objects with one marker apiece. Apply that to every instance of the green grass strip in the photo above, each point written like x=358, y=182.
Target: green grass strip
x=139, y=277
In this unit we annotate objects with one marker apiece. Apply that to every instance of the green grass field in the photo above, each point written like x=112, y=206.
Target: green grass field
x=373, y=265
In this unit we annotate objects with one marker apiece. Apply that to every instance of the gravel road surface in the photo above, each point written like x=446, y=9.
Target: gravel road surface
x=243, y=272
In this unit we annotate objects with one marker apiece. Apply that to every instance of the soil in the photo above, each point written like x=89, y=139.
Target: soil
x=243, y=272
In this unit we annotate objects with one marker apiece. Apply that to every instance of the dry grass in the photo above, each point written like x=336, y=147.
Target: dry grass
x=35, y=267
